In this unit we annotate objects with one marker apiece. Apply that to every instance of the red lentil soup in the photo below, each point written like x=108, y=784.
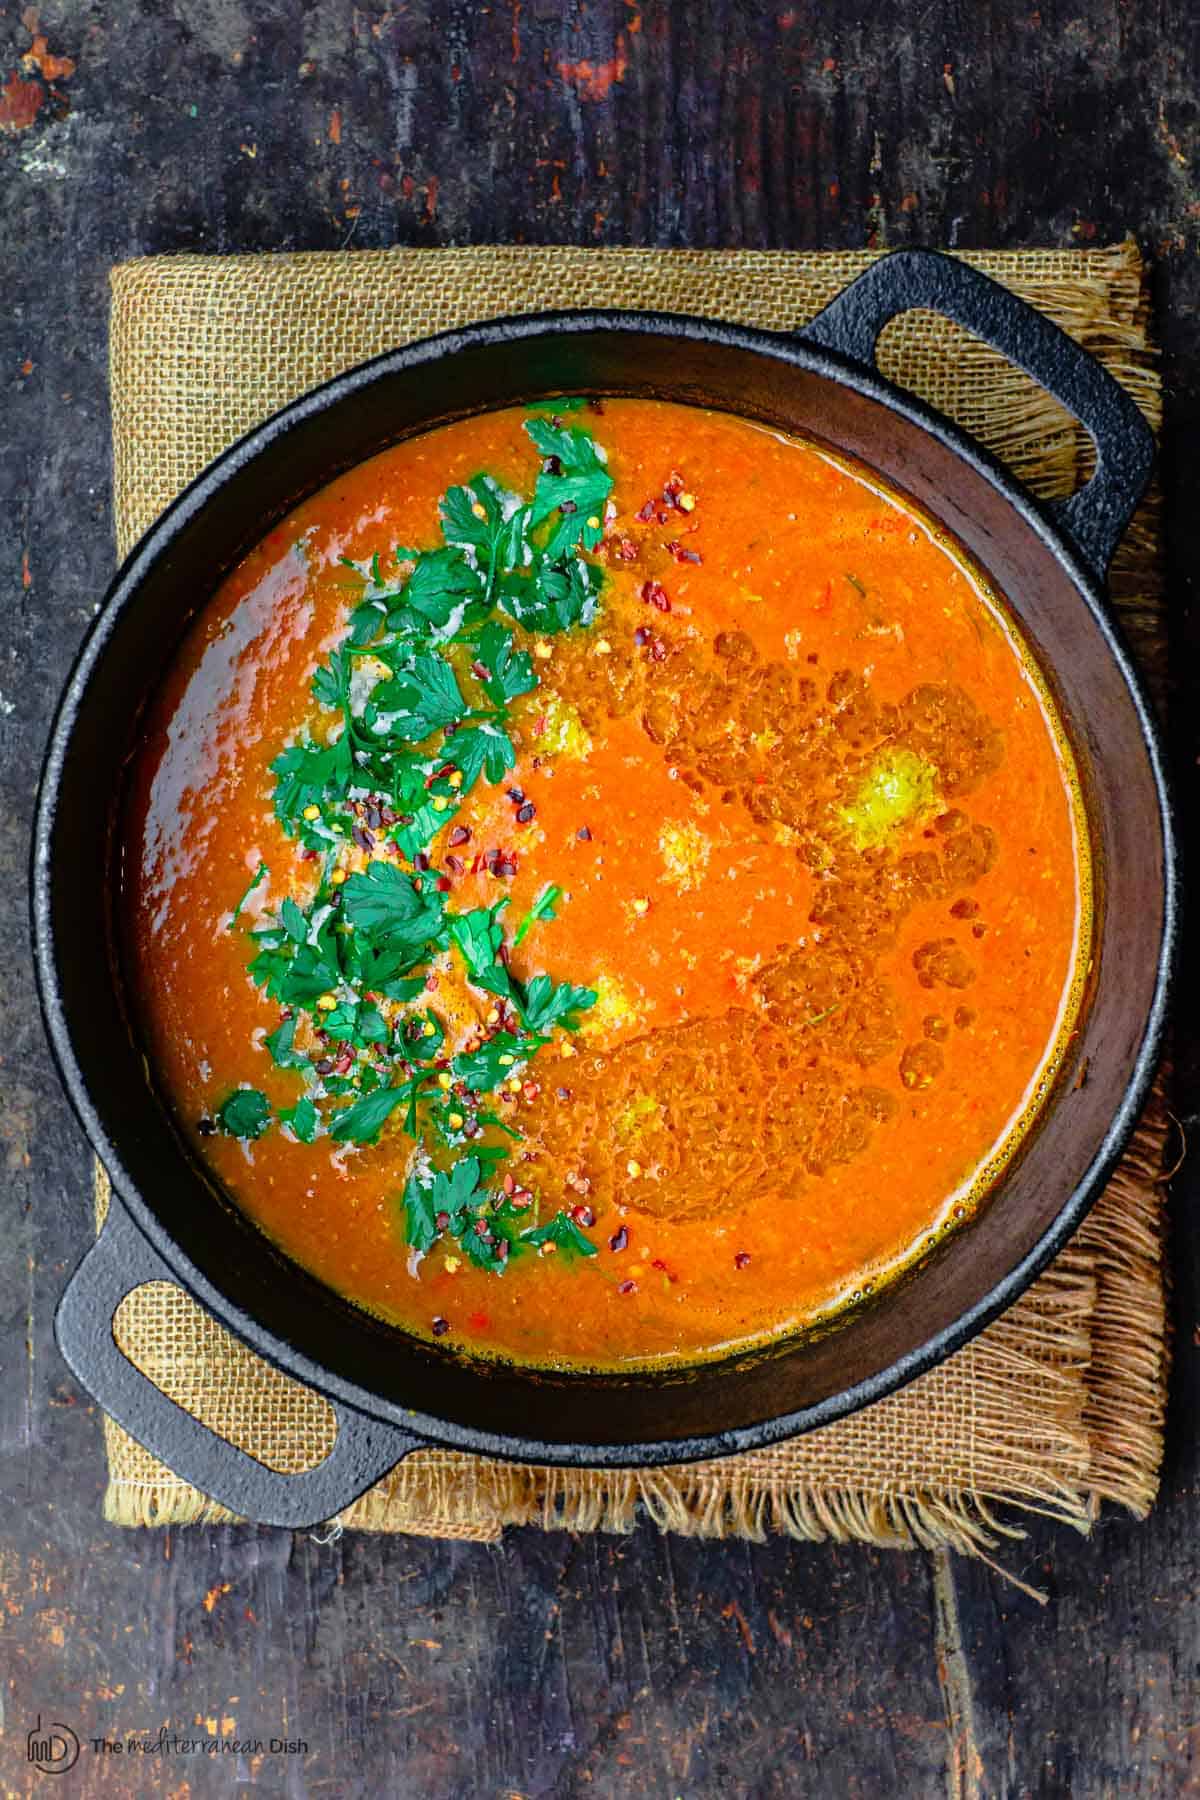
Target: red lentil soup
x=605, y=884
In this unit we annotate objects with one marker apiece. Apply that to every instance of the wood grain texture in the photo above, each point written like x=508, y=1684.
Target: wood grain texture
x=554, y=1666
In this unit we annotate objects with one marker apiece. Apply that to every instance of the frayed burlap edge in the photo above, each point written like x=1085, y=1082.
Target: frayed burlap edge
x=1067, y=1388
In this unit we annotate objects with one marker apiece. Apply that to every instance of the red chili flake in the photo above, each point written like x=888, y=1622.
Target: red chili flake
x=526, y=813
x=443, y=884
x=387, y=815
x=583, y=1215
x=626, y=550
x=440, y=1326
x=455, y=864
x=673, y=485
x=502, y=1250
x=642, y=635
x=478, y=1321
x=619, y=1239
x=506, y=867
x=442, y=1220
x=461, y=834
x=562, y=1093
x=309, y=855
x=344, y=1063
x=508, y=1184
x=421, y=861
x=627, y=1287
x=645, y=513
x=682, y=554
x=655, y=595
x=584, y=835
x=741, y=1259
x=363, y=838
x=656, y=651
x=285, y=1012
x=481, y=671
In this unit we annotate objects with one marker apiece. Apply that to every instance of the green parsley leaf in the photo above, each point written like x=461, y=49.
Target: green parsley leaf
x=280, y=1043
x=511, y=673
x=420, y=1044
x=420, y=1229
x=483, y=749
x=495, y=1060
x=542, y=908
x=308, y=773
x=422, y=700
x=548, y=598
x=382, y=902
x=331, y=680
x=303, y=1119
x=293, y=921
x=478, y=936
x=563, y=1233
x=256, y=880
x=545, y=1004
x=441, y=582
x=363, y=1122
x=244, y=1114
x=580, y=481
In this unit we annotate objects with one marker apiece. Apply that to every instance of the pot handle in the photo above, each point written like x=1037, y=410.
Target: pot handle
x=121, y=1259
x=1093, y=519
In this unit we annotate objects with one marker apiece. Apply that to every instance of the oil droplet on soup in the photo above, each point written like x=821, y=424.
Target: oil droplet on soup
x=776, y=794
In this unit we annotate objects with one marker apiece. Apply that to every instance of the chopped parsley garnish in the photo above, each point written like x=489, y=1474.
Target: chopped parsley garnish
x=256, y=880
x=542, y=908
x=414, y=711
x=245, y=1114
x=489, y=1228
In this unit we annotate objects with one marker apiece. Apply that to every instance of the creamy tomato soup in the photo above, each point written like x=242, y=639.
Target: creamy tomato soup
x=605, y=884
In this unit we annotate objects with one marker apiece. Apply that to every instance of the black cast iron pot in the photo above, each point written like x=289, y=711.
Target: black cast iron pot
x=390, y=1392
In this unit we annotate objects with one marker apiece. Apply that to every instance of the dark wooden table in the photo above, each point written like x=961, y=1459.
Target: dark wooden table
x=553, y=1664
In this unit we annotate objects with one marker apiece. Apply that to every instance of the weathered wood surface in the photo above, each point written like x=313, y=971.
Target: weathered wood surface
x=553, y=1665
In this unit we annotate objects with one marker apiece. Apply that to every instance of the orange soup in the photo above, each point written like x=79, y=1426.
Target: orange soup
x=605, y=884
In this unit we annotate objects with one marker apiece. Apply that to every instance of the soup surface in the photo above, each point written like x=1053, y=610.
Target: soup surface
x=604, y=884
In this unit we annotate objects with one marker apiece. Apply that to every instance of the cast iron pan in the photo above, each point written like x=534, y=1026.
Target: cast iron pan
x=391, y=1393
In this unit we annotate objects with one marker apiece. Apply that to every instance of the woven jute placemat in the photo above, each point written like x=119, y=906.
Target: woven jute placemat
x=1058, y=1406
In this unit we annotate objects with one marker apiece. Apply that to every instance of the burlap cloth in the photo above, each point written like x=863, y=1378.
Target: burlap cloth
x=1058, y=1406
